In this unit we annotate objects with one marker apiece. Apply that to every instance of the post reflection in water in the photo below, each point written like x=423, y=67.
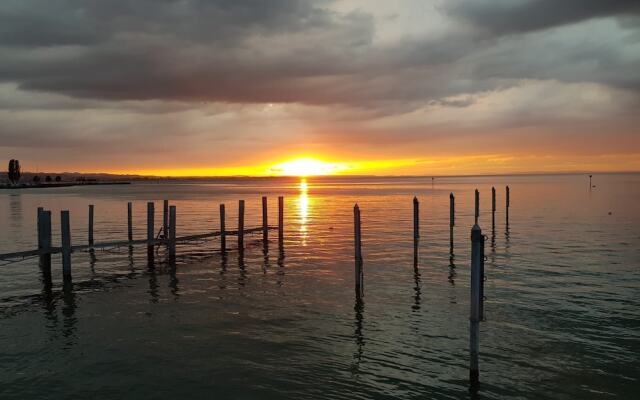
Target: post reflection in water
x=153, y=284
x=417, y=281
x=45, y=278
x=92, y=261
x=132, y=267
x=173, y=278
x=452, y=267
x=69, y=313
x=493, y=243
x=266, y=264
x=303, y=210
x=507, y=237
x=224, y=263
x=242, y=278
x=280, y=262
x=358, y=335
x=48, y=301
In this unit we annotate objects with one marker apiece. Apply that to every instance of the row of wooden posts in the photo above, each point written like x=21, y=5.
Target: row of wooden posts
x=168, y=237
x=477, y=265
x=168, y=233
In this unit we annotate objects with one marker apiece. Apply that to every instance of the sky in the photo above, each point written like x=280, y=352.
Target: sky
x=228, y=87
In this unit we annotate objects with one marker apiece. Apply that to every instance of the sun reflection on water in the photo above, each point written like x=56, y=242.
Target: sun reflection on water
x=303, y=204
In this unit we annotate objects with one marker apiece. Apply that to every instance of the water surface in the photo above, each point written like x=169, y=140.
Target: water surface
x=563, y=293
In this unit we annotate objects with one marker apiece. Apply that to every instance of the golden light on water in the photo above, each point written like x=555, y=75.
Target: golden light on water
x=303, y=209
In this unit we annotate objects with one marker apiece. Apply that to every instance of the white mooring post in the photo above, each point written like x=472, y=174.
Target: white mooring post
x=477, y=242
x=65, y=230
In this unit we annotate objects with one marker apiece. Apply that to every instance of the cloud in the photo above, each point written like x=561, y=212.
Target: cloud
x=518, y=16
x=287, y=51
x=227, y=79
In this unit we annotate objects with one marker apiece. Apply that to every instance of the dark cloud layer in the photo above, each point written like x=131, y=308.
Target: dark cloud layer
x=280, y=51
x=514, y=16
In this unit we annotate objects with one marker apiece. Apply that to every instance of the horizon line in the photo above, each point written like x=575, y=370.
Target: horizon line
x=138, y=176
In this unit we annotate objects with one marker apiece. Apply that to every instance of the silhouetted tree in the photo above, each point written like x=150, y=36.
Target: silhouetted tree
x=48, y=179
x=58, y=178
x=14, y=171
x=36, y=179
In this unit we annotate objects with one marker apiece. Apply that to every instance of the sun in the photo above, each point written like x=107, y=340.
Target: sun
x=307, y=167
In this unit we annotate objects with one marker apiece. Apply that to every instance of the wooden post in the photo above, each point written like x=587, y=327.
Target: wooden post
x=493, y=209
x=359, y=278
x=44, y=239
x=265, y=225
x=90, y=224
x=150, y=230
x=172, y=231
x=241, y=225
x=39, y=226
x=416, y=218
x=165, y=218
x=223, y=234
x=130, y=221
x=477, y=212
x=281, y=221
x=508, y=203
x=493, y=199
x=416, y=229
x=474, y=334
x=65, y=230
x=482, y=279
x=452, y=218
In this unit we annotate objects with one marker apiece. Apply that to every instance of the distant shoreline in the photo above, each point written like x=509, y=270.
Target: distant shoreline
x=58, y=185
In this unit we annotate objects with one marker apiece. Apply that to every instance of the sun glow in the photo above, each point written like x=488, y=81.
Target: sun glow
x=307, y=167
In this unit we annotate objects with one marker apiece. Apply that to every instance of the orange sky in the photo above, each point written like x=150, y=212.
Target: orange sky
x=470, y=165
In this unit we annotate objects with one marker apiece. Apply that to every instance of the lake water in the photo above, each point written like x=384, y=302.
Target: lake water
x=562, y=309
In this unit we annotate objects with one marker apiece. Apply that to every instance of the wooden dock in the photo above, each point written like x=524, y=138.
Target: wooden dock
x=167, y=237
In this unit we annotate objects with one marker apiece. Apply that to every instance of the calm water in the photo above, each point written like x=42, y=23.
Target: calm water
x=562, y=308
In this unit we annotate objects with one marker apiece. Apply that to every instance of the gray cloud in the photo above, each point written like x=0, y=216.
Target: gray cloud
x=250, y=51
x=199, y=76
x=78, y=22
x=516, y=16
x=286, y=51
